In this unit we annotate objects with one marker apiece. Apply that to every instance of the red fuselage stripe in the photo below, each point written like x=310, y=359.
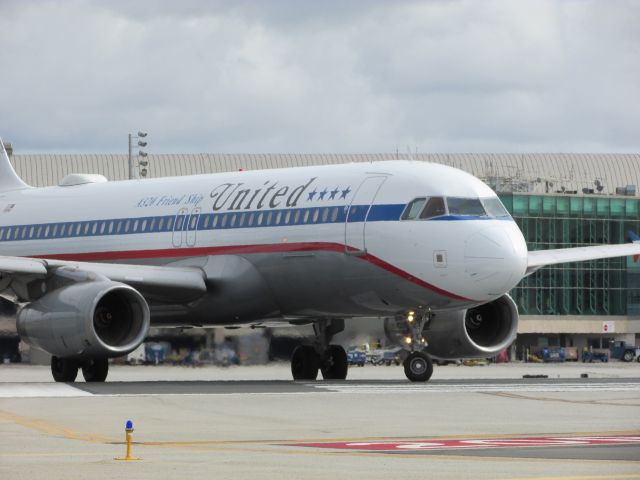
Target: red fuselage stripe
x=243, y=250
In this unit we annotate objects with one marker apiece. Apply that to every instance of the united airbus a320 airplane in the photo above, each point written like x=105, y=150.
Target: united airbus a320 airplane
x=91, y=264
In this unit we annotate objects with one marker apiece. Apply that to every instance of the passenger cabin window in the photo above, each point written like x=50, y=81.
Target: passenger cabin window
x=433, y=208
x=465, y=206
x=494, y=207
x=413, y=209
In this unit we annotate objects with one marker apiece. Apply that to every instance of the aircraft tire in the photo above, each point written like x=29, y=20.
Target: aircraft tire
x=64, y=369
x=418, y=367
x=95, y=369
x=305, y=363
x=337, y=365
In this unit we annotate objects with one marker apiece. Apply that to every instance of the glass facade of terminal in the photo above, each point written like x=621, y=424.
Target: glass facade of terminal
x=602, y=287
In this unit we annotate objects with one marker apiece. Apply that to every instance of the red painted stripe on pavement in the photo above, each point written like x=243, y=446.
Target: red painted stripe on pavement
x=465, y=444
x=246, y=249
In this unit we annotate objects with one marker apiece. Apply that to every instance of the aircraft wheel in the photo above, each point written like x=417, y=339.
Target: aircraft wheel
x=95, y=369
x=64, y=369
x=305, y=363
x=418, y=367
x=335, y=366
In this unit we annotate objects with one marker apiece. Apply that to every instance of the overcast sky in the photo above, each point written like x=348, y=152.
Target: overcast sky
x=321, y=76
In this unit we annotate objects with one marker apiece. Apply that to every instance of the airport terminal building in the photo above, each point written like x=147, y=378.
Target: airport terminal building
x=557, y=200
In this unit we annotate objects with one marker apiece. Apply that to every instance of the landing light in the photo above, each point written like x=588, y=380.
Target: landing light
x=407, y=340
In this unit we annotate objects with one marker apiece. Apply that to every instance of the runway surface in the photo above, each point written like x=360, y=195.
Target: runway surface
x=505, y=428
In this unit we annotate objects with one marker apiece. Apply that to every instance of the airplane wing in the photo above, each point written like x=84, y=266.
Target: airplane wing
x=166, y=282
x=542, y=258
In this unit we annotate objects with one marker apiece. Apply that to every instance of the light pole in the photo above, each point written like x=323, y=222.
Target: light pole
x=142, y=154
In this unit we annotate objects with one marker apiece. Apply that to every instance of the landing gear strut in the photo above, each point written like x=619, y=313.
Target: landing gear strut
x=418, y=366
x=331, y=360
x=66, y=369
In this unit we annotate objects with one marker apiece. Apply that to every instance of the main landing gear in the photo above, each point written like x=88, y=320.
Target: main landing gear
x=66, y=369
x=418, y=366
x=331, y=360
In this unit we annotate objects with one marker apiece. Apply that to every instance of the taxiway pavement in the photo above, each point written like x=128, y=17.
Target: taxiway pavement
x=478, y=422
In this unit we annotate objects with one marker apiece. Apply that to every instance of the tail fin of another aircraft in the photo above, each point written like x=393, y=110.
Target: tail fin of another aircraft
x=9, y=179
x=633, y=236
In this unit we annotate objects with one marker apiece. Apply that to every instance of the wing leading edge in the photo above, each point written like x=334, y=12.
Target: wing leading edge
x=542, y=258
x=173, y=283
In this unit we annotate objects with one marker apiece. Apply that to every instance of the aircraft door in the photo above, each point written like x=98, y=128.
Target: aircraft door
x=179, y=227
x=356, y=218
x=192, y=227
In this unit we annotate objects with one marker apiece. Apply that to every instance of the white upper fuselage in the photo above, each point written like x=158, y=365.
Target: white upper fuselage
x=352, y=209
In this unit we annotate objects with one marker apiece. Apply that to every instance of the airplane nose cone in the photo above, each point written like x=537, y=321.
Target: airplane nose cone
x=496, y=258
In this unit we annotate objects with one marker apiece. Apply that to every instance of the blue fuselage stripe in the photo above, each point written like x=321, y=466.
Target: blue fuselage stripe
x=215, y=221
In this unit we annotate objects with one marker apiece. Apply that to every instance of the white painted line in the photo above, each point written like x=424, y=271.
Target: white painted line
x=478, y=388
x=33, y=390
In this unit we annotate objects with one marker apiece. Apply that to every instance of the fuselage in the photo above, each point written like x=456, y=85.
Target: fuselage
x=337, y=240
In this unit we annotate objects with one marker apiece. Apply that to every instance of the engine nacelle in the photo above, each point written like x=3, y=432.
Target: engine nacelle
x=479, y=332
x=86, y=319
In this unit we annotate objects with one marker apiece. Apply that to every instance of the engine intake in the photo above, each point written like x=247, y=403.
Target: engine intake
x=87, y=319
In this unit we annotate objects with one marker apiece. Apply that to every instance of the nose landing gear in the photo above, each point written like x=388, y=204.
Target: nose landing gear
x=418, y=366
x=331, y=360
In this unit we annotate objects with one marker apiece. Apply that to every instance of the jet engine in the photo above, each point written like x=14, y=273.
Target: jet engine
x=86, y=319
x=478, y=332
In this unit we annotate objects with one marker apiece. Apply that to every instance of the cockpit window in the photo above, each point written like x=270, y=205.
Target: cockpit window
x=466, y=206
x=433, y=208
x=413, y=209
x=494, y=207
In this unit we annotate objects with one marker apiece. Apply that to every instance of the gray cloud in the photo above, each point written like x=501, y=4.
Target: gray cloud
x=251, y=76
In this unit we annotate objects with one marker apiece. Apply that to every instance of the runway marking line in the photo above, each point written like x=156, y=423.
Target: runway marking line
x=622, y=476
x=564, y=400
x=483, y=443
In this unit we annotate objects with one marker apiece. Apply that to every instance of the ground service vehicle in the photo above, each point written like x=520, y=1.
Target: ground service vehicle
x=623, y=351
